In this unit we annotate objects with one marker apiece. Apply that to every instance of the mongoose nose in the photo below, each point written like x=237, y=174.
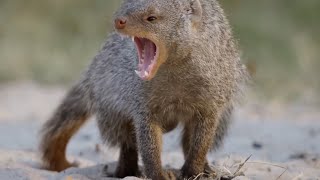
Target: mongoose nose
x=120, y=23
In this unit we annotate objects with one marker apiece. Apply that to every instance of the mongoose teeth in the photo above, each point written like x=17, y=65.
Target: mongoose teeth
x=146, y=73
x=137, y=72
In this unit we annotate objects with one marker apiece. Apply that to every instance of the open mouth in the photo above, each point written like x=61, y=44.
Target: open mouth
x=148, y=53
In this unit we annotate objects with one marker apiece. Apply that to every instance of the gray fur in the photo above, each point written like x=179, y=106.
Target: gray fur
x=196, y=85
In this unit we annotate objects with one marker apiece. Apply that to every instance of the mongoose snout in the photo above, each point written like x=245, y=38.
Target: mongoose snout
x=120, y=23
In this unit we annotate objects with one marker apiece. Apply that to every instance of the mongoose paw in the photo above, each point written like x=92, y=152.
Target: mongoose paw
x=164, y=175
x=187, y=172
x=171, y=174
x=208, y=171
x=190, y=173
x=60, y=166
x=126, y=173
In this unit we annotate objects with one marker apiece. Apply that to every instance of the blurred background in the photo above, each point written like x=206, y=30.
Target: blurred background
x=46, y=44
x=51, y=42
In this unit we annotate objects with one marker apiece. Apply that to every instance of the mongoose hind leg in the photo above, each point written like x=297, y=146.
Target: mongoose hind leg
x=128, y=162
x=128, y=158
x=117, y=130
x=54, y=157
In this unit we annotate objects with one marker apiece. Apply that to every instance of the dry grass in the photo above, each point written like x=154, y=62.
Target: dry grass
x=225, y=172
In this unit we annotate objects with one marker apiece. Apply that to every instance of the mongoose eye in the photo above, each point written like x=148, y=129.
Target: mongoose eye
x=151, y=18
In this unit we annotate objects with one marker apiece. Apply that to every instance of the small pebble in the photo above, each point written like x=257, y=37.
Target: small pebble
x=257, y=145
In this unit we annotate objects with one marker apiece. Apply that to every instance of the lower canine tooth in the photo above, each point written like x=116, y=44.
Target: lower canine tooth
x=137, y=72
x=146, y=73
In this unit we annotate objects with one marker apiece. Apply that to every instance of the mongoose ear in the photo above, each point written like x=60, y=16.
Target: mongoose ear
x=196, y=11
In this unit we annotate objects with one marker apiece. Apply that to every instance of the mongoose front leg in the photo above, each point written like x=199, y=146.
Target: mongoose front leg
x=197, y=140
x=149, y=137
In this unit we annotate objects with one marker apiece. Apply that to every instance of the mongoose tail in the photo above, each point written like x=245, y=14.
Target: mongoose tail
x=72, y=113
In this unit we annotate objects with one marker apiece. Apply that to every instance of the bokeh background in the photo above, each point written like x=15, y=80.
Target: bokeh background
x=51, y=42
x=46, y=44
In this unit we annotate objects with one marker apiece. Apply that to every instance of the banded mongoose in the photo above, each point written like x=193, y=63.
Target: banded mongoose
x=168, y=62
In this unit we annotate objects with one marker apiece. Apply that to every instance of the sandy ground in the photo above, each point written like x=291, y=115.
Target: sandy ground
x=281, y=139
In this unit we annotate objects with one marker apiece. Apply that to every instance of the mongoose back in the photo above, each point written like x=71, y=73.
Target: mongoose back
x=168, y=62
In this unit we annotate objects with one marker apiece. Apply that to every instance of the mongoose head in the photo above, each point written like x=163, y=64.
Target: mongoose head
x=160, y=30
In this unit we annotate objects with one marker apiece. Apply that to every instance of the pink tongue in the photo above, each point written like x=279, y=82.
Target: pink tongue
x=149, y=53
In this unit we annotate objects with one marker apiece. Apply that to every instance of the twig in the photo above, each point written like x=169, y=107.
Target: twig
x=199, y=175
x=282, y=174
x=275, y=165
x=242, y=164
x=236, y=173
x=227, y=170
x=270, y=164
x=298, y=177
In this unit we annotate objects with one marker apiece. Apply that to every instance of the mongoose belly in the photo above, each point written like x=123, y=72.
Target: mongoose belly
x=171, y=114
